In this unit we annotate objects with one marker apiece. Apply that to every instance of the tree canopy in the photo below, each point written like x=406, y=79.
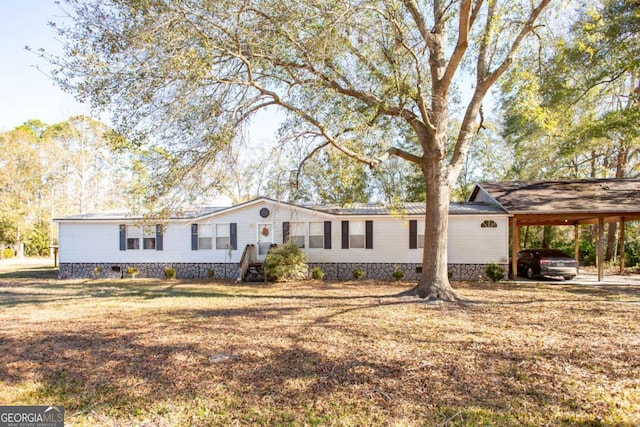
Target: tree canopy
x=48, y=171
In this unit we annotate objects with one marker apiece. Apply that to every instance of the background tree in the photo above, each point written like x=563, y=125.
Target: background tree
x=189, y=72
x=21, y=181
x=48, y=171
x=331, y=177
x=580, y=101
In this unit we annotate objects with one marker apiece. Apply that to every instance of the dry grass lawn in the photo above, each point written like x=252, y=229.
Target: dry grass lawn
x=169, y=353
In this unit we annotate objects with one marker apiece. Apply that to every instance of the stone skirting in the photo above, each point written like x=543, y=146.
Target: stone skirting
x=148, y=270
x=384, y=271
x=332, y=271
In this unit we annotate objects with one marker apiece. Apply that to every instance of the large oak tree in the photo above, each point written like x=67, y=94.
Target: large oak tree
x=187, y=73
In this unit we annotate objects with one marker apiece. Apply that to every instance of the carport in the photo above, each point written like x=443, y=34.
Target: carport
x=566, y=203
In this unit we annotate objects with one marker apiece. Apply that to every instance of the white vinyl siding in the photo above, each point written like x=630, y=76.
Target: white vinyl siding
x=468, y=243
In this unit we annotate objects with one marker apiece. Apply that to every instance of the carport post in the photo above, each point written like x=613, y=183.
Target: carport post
x=515, y=246
x=621, y=243
x=599, y=249
x=576, y=243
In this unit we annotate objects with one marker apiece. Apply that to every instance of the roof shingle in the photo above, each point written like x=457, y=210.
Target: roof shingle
x=587, y=195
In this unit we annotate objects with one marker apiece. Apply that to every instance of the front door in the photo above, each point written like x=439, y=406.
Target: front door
x=265, y=239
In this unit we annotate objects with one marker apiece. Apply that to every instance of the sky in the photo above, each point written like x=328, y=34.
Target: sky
x=28, y=93
x=25, y=92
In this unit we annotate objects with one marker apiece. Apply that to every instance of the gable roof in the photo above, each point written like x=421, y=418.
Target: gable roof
x=594, y=196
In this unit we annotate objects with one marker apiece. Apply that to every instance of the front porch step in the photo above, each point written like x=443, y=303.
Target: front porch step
x=255, y=273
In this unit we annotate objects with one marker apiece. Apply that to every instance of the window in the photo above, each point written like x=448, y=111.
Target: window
x=489, y=223
x=133, y=237
x=296, y=234
x=316, y=235
x=149, y=237
x=205, y=236
x=223, y=236
x=152, y=237
x=416, y=234
x=356, y=234
x=420, y=234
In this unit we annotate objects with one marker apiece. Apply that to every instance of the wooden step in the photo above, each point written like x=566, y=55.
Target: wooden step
x=255, y=273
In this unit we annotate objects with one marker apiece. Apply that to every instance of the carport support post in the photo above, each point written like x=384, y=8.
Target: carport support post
x=599, y=249
x=621, y=243
x=515, y=247
x=576, y=242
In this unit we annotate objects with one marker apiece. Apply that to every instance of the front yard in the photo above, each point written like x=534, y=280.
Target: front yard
x=166, y=353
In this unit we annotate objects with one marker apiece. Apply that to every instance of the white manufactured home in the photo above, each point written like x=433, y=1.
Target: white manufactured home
x=219, y=241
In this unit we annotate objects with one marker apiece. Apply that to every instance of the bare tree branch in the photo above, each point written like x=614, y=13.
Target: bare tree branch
x=485, y=79
x=394, y=151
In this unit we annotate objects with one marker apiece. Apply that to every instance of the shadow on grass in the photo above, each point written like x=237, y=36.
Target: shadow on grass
x=34, y=291
x=605, y=292
x=42, y=272
x=90, y=372
x=243, y=358
x=50, y=292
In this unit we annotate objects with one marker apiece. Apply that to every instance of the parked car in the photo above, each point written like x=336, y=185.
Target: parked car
x=546, y=262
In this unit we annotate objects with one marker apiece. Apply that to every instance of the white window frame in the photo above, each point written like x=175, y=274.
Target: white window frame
x=223, y=236
x=205, y=236
x=357, y=232
x=315, y=236
x=297, y=234
x=149, y=236
x=420, y=234
x=134, y=233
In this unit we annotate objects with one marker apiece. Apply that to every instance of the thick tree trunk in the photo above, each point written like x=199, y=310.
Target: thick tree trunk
x=434, y=281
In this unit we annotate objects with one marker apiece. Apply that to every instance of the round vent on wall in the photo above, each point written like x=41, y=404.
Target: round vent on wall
x=264, y=212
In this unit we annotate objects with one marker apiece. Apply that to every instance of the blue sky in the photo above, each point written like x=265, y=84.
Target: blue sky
x=25, y=92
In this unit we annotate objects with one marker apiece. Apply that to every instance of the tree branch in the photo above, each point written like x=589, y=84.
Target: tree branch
x=461, y=46
x=394, y=151
x=528, y=27
x=485, y=80
x=418, y=19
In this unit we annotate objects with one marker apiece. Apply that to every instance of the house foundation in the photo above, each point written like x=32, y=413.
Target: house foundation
x=332, y=271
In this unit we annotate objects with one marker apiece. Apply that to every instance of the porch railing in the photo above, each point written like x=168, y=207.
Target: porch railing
x=249, y=256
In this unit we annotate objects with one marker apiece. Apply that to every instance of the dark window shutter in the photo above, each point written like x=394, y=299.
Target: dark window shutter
x=285, y=232
x=159, y=239
x=368, y=226
x=327, y=234
x=345, y=234
x=413, y=234
x=194, y=237
x=123, y=237
x=233, y=235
